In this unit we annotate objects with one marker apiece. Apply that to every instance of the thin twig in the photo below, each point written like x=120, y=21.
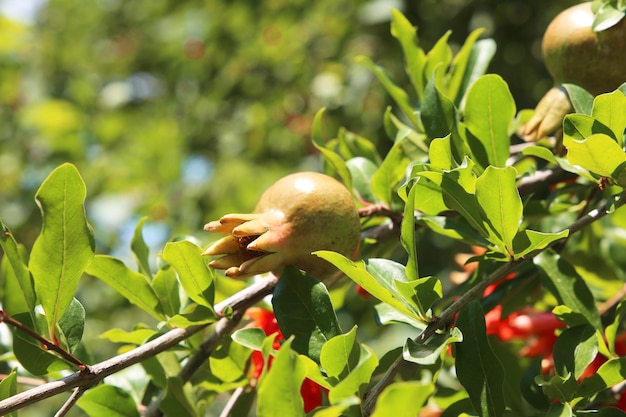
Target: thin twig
x=78, y=392
x=245, y=298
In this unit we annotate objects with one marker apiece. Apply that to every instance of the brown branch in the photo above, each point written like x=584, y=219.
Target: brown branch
x=95, y=373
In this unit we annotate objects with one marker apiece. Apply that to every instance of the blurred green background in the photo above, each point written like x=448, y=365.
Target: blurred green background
x=182, y=111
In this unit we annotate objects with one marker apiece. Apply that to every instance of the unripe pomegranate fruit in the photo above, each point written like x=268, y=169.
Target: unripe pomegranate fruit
x=573, y=53
x=299, y=214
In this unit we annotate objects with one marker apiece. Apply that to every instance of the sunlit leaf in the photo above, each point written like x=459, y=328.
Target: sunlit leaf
x=581, y=99
x=8, y=388
x=610, y=110
x=361, y=171
x=335, y=161
x=440, y=55
x=279, y=390
x=414, y=56
x=340, y=355
x=437, y=112
x=130, y=284
x=407, y=236
x=429, y=352
x=528, y=241
x=489, y=111
x=19, y=296
x=140, y=249
x=403, y=399
x=165, y=285
x=65, y=246
x=357, y=380
x=575, y=349
x=599, y=154
x=460, y=65
x=421, y=293
x=392, y=170
x=482, y=53
x=194, y=275
x=610, y=373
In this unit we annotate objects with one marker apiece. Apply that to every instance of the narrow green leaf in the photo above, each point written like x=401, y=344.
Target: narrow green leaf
x=489, y=111
x=8, y=388
x=482, y=53
x=478, y=369
x=460, y=65
x=130, y=284
x=528, y=241
x=166, y=287
x=560, y=278
x=352, y=145
x=194, y=275
x=437, y=112
x=403, y=399
x=140, y=249
x=501, y=203
x=407, y=236
x=540, y=152
x=19, y=294
x=421, y=293
x=414, y=56
x=108, y=401
x=65, y=246
x=429, y=353
x=357, y=380
x=398, y=94
x=340, y=355
x=335, y=161
x=376, y=276
x=279, y=389
x=361, y=171
x=440, y=55
x=303, y=309
x=610, y=110
x=385, y=314
x=392, y=170
x=136, y=337
x=612, y=329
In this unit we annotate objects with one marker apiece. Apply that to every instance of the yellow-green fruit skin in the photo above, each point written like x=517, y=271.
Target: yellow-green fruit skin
x=574, y=53
x=316, y=212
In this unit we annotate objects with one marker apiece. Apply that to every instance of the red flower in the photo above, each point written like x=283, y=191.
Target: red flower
x=310, y=391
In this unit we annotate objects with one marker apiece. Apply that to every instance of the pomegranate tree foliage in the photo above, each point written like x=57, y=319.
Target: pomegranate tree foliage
x=450, y=173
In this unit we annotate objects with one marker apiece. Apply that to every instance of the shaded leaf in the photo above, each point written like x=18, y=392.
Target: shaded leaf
x=140, y=249
x=303, y=309
x=335, y=161
x=19, y=294
x=108, y=401
x=429, y=352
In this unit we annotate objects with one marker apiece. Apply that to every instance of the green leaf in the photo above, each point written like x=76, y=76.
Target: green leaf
x=391, y=171
x=335, y=161
x=599, y=154
x=574, y=350
x=489, y=111
x=19, y=296
x=303, y=309
x=376, y=276
x=357, y=380
x=166, y=287
x=194, y=275
x=136, y=337
x=279, y=389
x=610, y=110
x=414, y=56
x=398, y=94
x=560, y=278
x=385, y=314
x=192, y=315
x=440, y=154
x=72, y=325
x=340, y=355
x=581, y=99
x=581, y=126
x=460, y=65
x=407, y=236
x=65, y=246
x=228, y=362
x=403, y=399
x=251, y=337
x=478, y=369
x=501, y=203
x=482, y=53
x=130, y=284
x=178, y=399
x=437, y=112
x=528, y=241
x=361, y=171
x=429, y=197
x=8, y=388
x=612, y=329
x=606, y=17
x=560, y=410
x=609, y=374
x=440, y=56
x=429, y=352
x=420, y=293
x=140, y=249
x=540, y=152
x=108, y=401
